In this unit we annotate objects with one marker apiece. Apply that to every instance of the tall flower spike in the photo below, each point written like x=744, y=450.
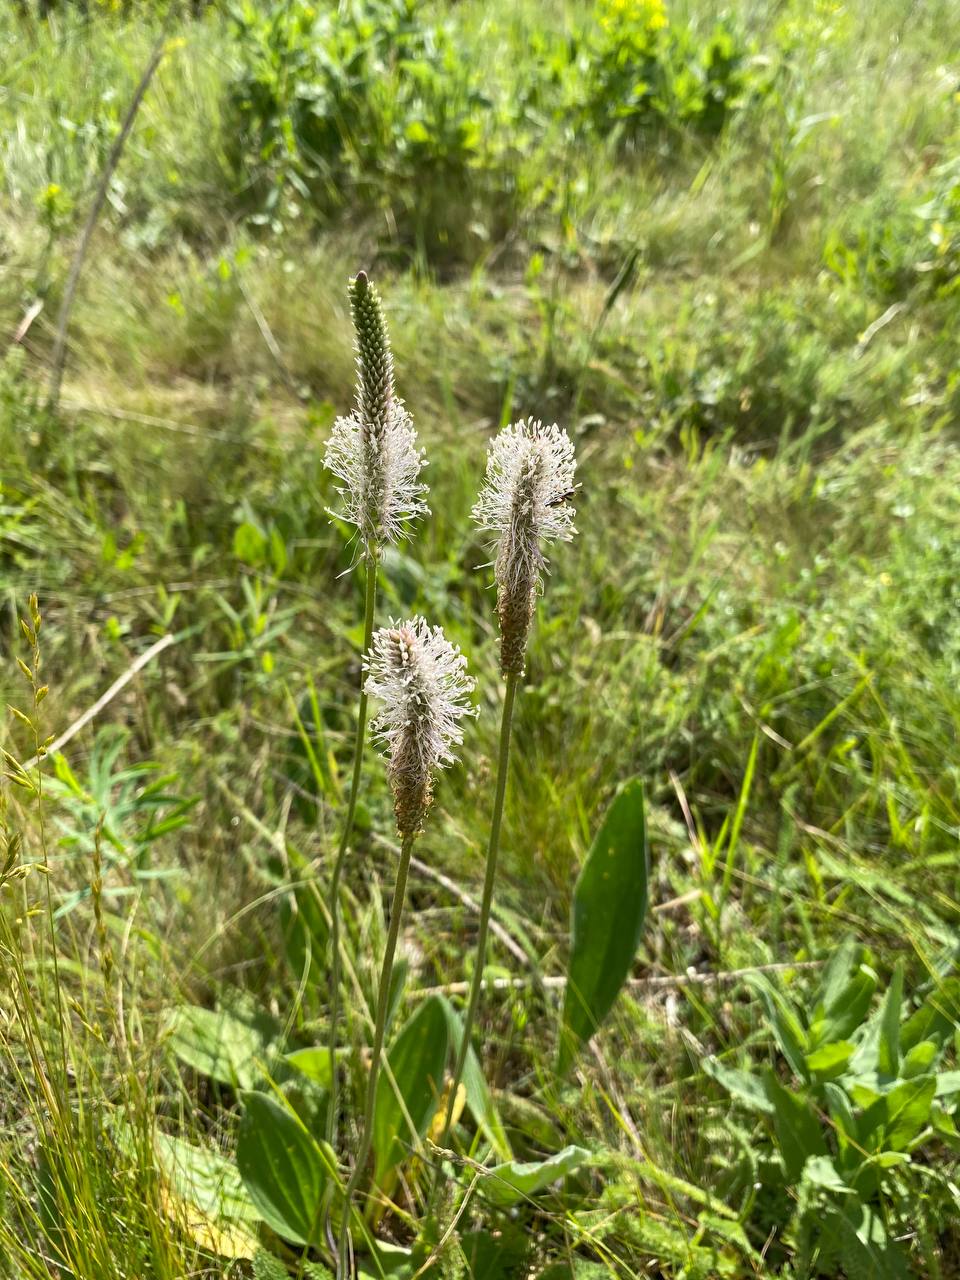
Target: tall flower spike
x=525, y=500
x=373, y=450
x=420, y=679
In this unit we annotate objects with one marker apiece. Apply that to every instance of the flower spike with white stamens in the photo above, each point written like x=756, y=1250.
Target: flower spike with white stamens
x=420, y=679
x=373, y=450
x=525, y=500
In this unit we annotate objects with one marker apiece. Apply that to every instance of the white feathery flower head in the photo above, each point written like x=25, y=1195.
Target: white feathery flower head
x=420, y=680
x=373, y=450
x=525, y=501
x=530, y=470
x=381, y=491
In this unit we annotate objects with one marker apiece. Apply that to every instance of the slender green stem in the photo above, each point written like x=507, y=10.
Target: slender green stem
x=383, y=1004
x=493, y=850
x=335, y=965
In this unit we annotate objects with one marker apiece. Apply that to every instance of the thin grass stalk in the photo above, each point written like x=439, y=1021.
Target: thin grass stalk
x=486, y=904
x=383, y=1004
x=32, y=632
x=59, y=356
x=370, y=599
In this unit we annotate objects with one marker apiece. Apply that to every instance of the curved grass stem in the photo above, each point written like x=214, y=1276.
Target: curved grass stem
x=370, y=598
x=383, y=1004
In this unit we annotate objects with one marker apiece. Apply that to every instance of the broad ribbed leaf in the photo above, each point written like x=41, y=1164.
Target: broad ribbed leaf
x=609, y=907
x=284, y=1170
x=478, y=1095
x=416, y=1060
x=225, y=1045
x=205, y=1178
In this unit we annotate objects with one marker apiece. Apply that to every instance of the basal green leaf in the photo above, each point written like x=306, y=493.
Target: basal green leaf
x=908, y=1111
x=836, y=975
x=205, y=1178
x=919, y=1060
x=228, y=1047
x=948, y=1082
x=314, y=1063
x=937, y=1017
x=416, y=1061
x=478, y=1095
x=797, y=1127
x=820, y=1171
x=609, y=907
x=888, y=1052
x=830, y=1060
x=784, y=1021
x=285, y=1171
x=847, y=1010
x=742, y=1085
x=841, y=1113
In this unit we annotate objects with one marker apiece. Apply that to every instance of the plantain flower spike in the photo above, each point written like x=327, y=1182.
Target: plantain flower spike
x=373, y=450
x=525, y=501
x=420, y=680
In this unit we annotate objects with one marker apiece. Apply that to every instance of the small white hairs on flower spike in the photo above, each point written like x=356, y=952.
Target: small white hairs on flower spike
x=420, y=680
x=525, y=500
x=373, y=450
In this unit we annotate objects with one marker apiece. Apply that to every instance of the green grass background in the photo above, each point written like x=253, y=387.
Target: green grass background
x=753, y=340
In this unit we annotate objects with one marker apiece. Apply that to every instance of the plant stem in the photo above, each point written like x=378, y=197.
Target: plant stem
x=493, y=850
x=383, y=1004
x=335, y=966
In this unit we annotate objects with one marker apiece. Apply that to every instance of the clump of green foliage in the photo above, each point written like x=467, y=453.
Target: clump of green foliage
x=642, y=68
x=842, y=1195
x=375, y=107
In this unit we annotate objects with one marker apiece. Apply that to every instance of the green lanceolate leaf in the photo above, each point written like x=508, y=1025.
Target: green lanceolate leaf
x=878, y=1055
x=517, y=1180
x=283, y=1169
x=784, y=1021
x=908, y=1111
x=228, y=1046
x=936, y=1018
x=609, y=907
x=409, y=1091
x=820, y=1171
x=830, y=1060
x=888, y=1055
x=798, y=1130
x=314, y=1063
x=205, y=1178
x=478, y=1095
x=845, y=996
x=742, y=1085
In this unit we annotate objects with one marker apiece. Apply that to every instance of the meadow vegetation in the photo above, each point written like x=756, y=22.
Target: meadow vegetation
x=719, y=244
